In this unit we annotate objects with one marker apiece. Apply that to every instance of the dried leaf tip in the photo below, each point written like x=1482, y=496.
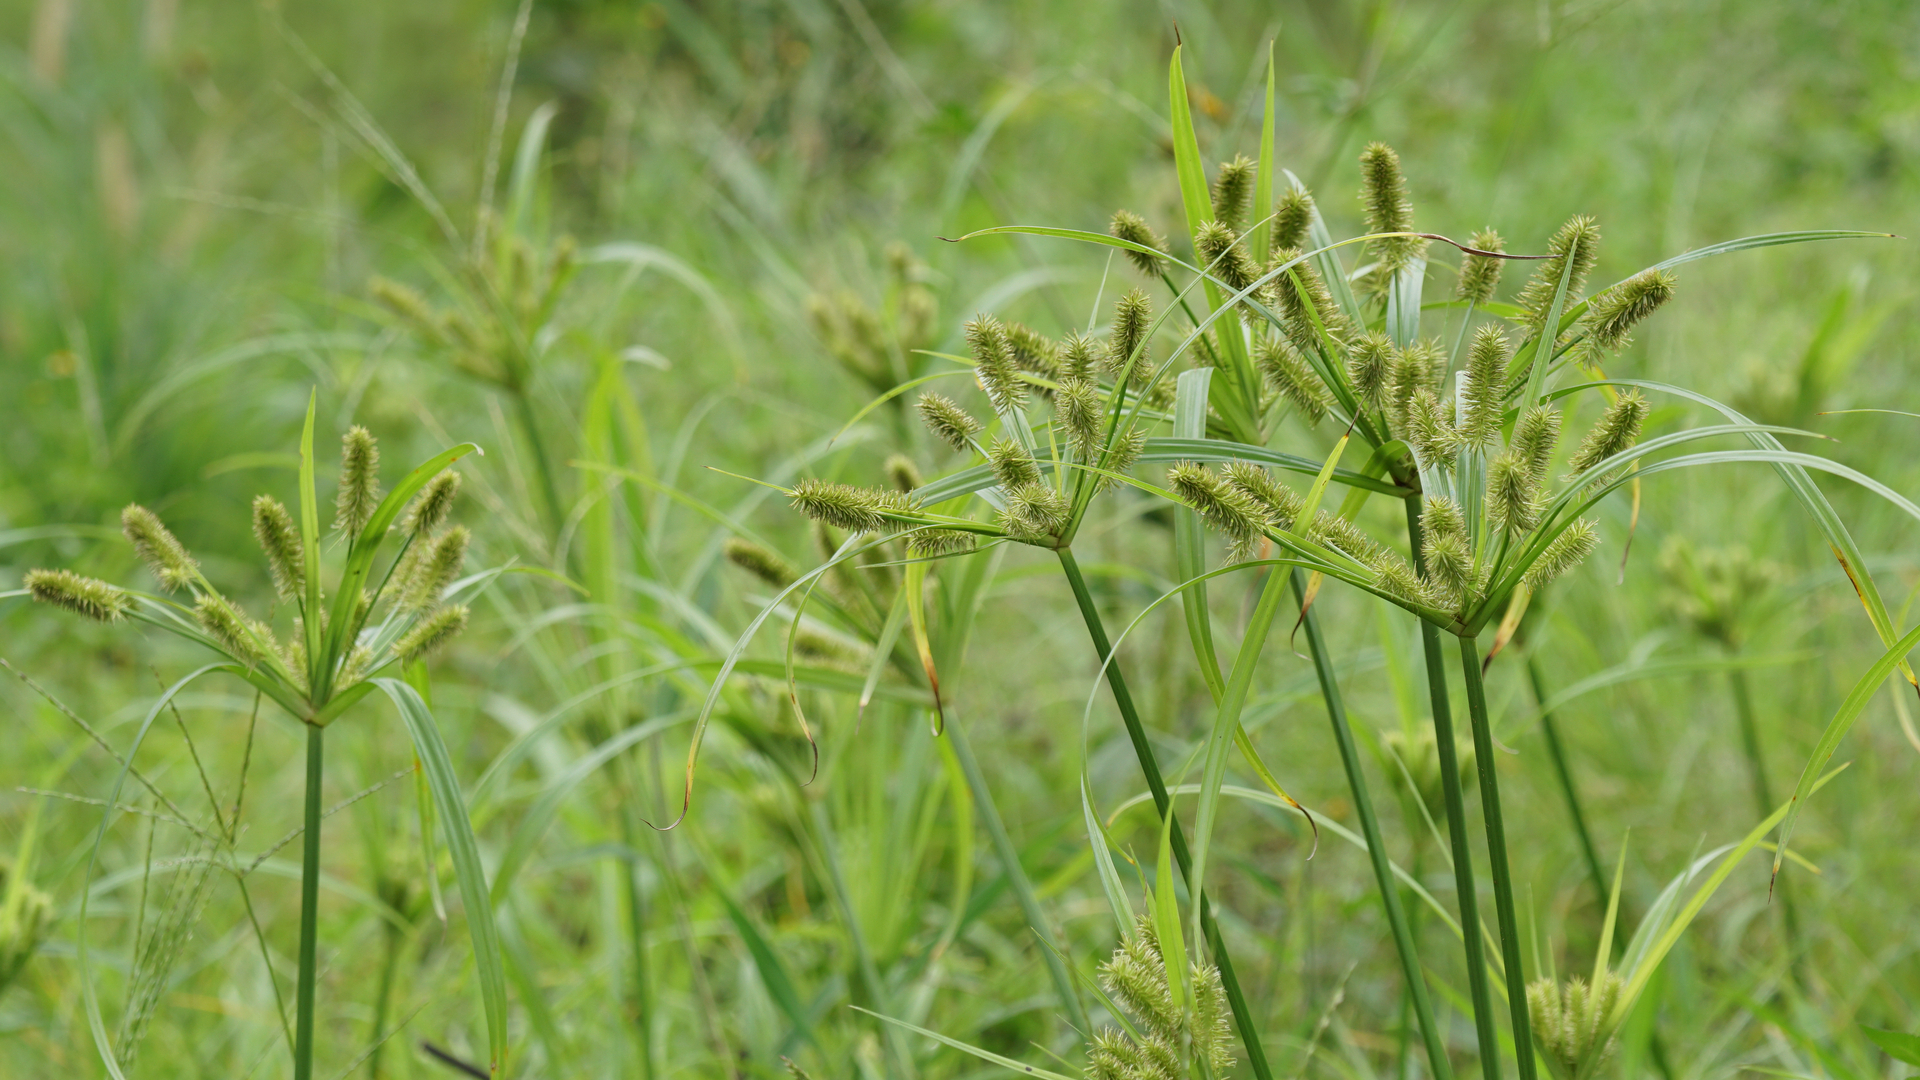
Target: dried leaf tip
x=431, y=507
x=359, y=480
x=949, y=423
x=86, y=596
x=994, y=364
x=759, y=561
x=1480, y=274
x=1131, y=227
x=158, y=548
x=432, y=632
x=1233, y=192
x=279, y=538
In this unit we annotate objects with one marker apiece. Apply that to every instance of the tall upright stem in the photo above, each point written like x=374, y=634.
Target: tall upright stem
x=1497, y=857
x=1555, y=750
x=309, y=911
x=1370, y=828
x=1243, y=1020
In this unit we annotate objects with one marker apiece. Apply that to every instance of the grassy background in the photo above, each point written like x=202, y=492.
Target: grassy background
x=189, y=218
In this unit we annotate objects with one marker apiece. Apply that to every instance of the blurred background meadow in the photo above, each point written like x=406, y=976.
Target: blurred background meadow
x=660, y=237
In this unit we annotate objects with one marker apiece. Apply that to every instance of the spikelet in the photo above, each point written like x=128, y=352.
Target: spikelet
x=1233, y=192
x=1368, y=366
x=1430, y=429
x=1131, y=318
x=950, y=423
x=436, y=629
x=1579, y=241
x=761, y=562
x=1441, y=516
x=1567, y=551
x=1131, y=227
x=1034, y=512
x=1613, y=314
x=1077, y=408
x=1383, y=195
x=1535, y=438
x=279, y=538
x=1032, y=350
x=1479, y=274
x=1112, y=1055
x=430, y=508
x=1280, y=503
x=1136, y=978
x=410, y=306
x=1079, y=357
x=902, y=473
x=224, y=622
x=1223, y=256
x=1486, y=382
x=1221, y=505
x=993, y=364
x=1450, y=571
x=1617, y=430
x=1337, y=532
x=1513, y=495
x=1287, y=372
x=927, y=543
x=359, y=480
x=1012, y=464
x=1304, y=301
x=1125, y=451
x=158, y=548
x=1411, y=369
x=435, y=569
x=1293, y=219
x=842, y=506
x=86, y=596
x=1570, y=1024
x=1397, y=579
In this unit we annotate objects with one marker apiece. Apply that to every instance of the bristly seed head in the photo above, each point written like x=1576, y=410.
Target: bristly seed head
x=1577, y=241
x=994, y=365
x=242, y=637
x=273, y=527
x=1486, y=384
x=1287, y=372
x=1012, y=464
x=1223, y=256
x=1479, y=274
x=1513, y=495
x=1430, y=430
x=1131, y=227
x=1033, y=351
x=1614, y=313
x=1136, y=978
x=1368, y=365
x=1131, y=318
x=86, y=596
x=1412, y=369
x=1293, y=219
x=359, y=480
x=1567, y=551
x=1280, y=503
x=1450, y=571
x=1441, y=516
x=1221, y=505
x=158, y=548
x=1233, y=192
x=1571, y=1025
x=928, y=543
x=903, y=473
x=843, y=506
x=1034, y=512
x=1383, y=195
x=1304, y=300
x=1077, y=407
x=949, y=423
x=1079, y=356
x=761, y=562
x=431, y=507
x=431, y=632
x=1535, y=438
x=1617, y=430
x=435, y=569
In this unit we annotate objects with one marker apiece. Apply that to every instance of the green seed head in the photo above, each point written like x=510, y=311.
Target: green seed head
x=1383, y=196
x=1578, y=242
x=1450, y=571
x=158, y=548
x=86, y=596
x=1233, y=192
x=950, y=423
x=1480, y=275
x=1411, y=370
x=1079, y=356
x=1012, y=464
x=994, y=364
x=1395, y=578
x=1136, y=978
x=1513, y=495
x=1616, y=431
x=1368, y=366
x=1442, y=517
x=1567, y=551
x=903, y=473
x=435, y=569
x=240, y=636
x=1293, y=219
x=1535, y=438
x=1430, y=429
x=359, y=480
x=1306, y=307
x=1486, y=384
x=1131, y=318
x=1223, y=256
x=1035, y=512
x=1077, y=407
x=1571, y=1023
x=1032, y=350
x=1287, y=372
x=442, y=625
x=846, y=507
x=1614, y=313
x=1131, y=227
x=409, y=306
x=1221, y=505
x=431, y=507
x=761, y=562
x=929, y=543
x=1280, y=503
x=1125, y=451
x=273, y=527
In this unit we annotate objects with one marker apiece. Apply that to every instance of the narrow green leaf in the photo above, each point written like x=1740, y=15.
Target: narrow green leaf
x=1186, y=150
x=767, y=962
x=1101, y=843
x=1166, y=916
x=310, y=546
x=968, y=1048
x=1189, y=537
x=1263, y=179
x=1899, y=1045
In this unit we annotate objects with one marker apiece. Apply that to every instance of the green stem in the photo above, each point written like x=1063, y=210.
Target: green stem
x=637, y=936
x=1150, y=767
x=1763, y=796
x=309, y=911
x=543, y=464
x=1558, y=753
x=1370, y=828
x=1497, y=857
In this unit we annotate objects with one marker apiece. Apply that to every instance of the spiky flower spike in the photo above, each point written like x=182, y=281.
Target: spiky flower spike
x=1479, y=274
x=1430, y=429
x=1486, y=383
x=158, y=548
x=1293, y=219
x=1131, y=318
x=1079, y=356
x=1032, y=350
x=1220, y=504
x=1617, y=429
x=950, y=423
x=1223, y=256
x=1280, y=503
x=842, y=506
x=1567, y=551
x=902, y=473
x=1535, y=438
x=1136, y=978
x=928, y=543
x=993, y=363
x=1077, y=406
x=431, y=507
x=430, y=633
x=1513, y=495
x=1383, y=195
x=1449, y=558
x=1287, y=372
x=1412, y=369
x=1233, y=192
x=1305, y=301
x=761, y=562
x=242, y=637
x=1614, y=313
x=435, y=569
x=273, y=527
x=1034, y=512
x=81, y=595
x=1012, y=464
x=1578, y=242
x=1131, y=227
x=359, y=480
x=1368, y=364
x=1569, y=1023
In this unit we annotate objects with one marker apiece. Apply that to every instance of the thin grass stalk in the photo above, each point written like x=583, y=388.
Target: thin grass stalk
x=1763, y=797
x=1243, y=1020
x=1504, y=911
x=1555, y=750
x=1370, y=828
x=309, y=911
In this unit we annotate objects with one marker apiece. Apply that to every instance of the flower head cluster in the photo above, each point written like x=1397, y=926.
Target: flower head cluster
x=1136, y=978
